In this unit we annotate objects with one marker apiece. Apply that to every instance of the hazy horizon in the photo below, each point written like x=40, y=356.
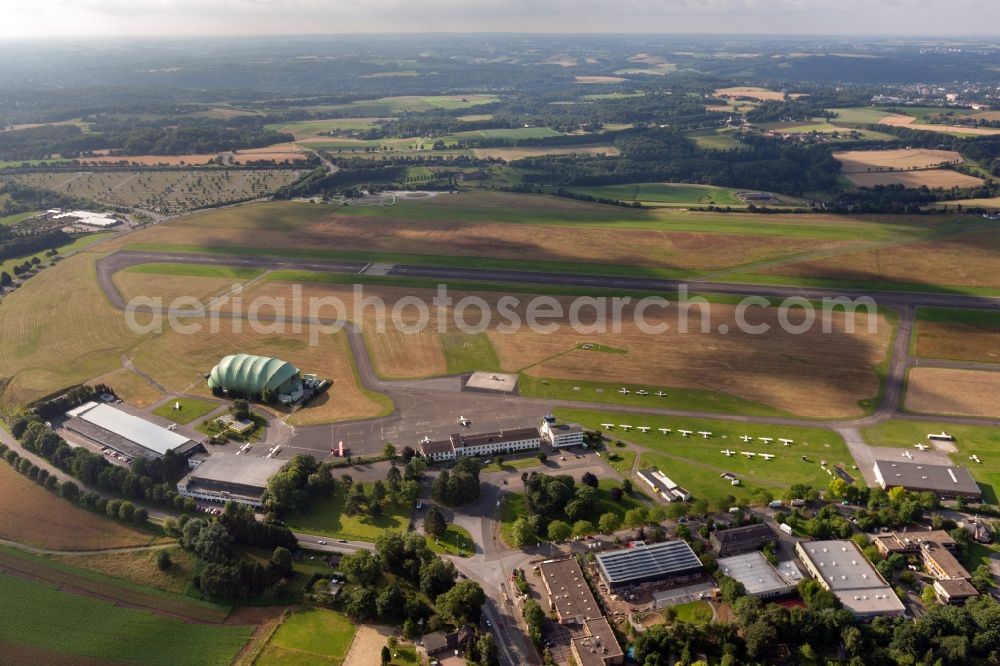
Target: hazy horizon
x=82, y=19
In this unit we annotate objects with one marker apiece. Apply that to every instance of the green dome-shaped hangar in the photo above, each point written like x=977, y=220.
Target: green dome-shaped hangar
x=253, y=375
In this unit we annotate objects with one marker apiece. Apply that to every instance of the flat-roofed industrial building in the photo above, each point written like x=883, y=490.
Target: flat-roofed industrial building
x=598, y=646
x=642, y=563
x=946, y=480
x=130, y=435
x=840, y=567
x=759, y=577
x=742, y=539
x=222, y=477
x=569, y=594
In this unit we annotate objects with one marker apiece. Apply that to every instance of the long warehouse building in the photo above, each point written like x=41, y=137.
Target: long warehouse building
x=222, y=478
x=129, y=435
x=672, y=561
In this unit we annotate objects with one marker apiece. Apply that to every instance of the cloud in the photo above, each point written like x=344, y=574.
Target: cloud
x=77, y=18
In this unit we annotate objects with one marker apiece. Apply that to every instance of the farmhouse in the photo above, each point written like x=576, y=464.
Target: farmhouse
x=946, y=480
x=569, y=595
x=759, y=577
x=840, y=567
x=742, y=539
x=667, y=561
x=222, y=478
x=598, y=646
x=482, y=444
x=662, y=485
x=559, y=434
x=253, y=376
x=129, y=435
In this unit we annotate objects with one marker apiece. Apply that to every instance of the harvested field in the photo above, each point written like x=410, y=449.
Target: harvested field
x=165, y=191
x=762, y=94
x=931, y=178
x=149, y=160
x=598, y=79
x=963, y=261
x=35, y=516
x=131, y=388
x=961, y=335
x=989, y=204
x=510, y=154
x=911, y=123
x=279, y=152
x=901, y=159
x=767, y=369
x=953, y=392
x=138, y=567
x=170, y=287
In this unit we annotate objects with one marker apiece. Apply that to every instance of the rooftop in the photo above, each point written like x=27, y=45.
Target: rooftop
x=242, y=470
x=569, y=591
x=755, y=531
x=758, y=576
x=642, y=561
x=600, y=644
x=851, y=577
x=438, y=446
x=132, y=428
x=504, y=436
x=492, y=381
x=947, y=479
x=958, y=587
x=944, y=560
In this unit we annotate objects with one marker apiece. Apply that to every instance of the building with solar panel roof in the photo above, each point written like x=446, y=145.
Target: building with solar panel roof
x=641, y=563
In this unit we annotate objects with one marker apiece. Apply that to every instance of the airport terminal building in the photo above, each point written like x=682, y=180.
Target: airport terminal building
x=223, y=477
x=482, y=444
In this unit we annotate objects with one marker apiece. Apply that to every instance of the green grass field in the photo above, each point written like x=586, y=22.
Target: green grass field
x=664, y=194
x=715, y=139
x=983, y=442
x=455, y=541
x=983, y=318
x=193, y=270
x=694, y=612
x=467, y=352
x=39, y=616
x=695, y=463
x=322, y=126
x=327, y=518
x=512, y=133
x=190, y=410
x=701, y=400
x=308, y=636
x=859, y=116
x=11, y=220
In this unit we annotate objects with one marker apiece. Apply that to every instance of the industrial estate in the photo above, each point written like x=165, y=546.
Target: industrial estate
x=263, y=399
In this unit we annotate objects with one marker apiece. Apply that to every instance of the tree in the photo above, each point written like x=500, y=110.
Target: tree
x=358, y=602
x=434, y=522
x=928, y=595
x=436, y=577
x=5, y=279
x=627, y=487
x=534, y=617
x=240, y=410
x=608, y=522
x=982, y=578
x=163, y=561
x=281, y=560
x=523, y=532
x=361, y=567
x=559, y=530
x=582, y=528
x=69, y=490
x=388, y=451
x=837, y=488
x=635, y=517
x=589, y=479
x=389, y=602
x=463, y=602
x=541, y=457
x=386, y=655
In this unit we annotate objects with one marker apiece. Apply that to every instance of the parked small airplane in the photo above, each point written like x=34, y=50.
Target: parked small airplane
x=664, y=430
x=786, y=442
x=642, y=392
x=625, y=426
x=767, y=456
x=974, y=458
x=922, y=447
x=685, y=433
x=766, y=440
x=464, y=421
x=660, y=394
x=705, y=434
x=748, y=454
x=727, y=452
x=746, y=438
x=643, y=428
x=624, y=391
x=907, y=454
x=607, y=426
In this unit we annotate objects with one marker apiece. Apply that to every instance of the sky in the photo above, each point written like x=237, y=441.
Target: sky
x=32, y=19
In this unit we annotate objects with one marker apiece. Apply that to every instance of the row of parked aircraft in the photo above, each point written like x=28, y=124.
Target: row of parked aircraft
x=748, y=454
x=625, y=391
x=705, y=434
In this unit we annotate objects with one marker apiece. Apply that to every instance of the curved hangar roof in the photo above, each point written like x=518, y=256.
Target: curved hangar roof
x=251, y=374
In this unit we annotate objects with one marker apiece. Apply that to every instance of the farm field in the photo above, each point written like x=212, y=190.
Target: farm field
x=695, y=463
x=961, y=261
x=40, y=618
x=309, y=128
x=190, y=409
x=164, y=191
x=131, y=388
x=37, y=517
x=761, y=94
x=139, y=281
x=969, y=440
x=598, y=79
x=310, y=635
x=931, y=178
x=953, y=391
x=279, y=152
x=392, y=106
x=962, y=335
x=138, y=567
x=989, y=204
x=522, y=152
x=911, y=123
x=327, y=518
x=79, y=243
x=901, y=159
x=821, y=126
x=665, y=194
x=715, y=139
